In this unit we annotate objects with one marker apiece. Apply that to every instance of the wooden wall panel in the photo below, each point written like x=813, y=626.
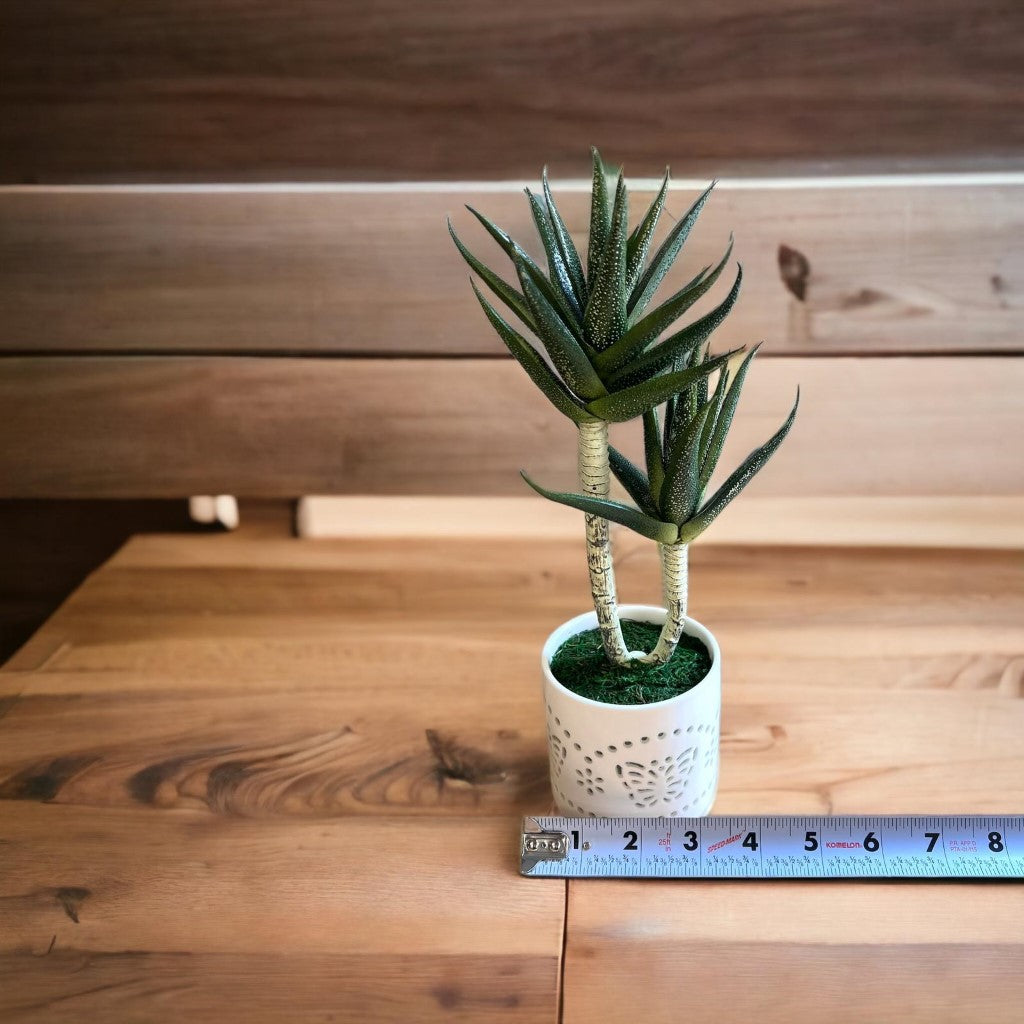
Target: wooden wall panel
x=299, y=89
x=898, y=267
x=166, y=427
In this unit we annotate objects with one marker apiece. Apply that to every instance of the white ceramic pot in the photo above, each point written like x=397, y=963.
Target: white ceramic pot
x=633, y=760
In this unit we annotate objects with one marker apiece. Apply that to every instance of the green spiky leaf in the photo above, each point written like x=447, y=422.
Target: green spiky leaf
x=681, y=409
x=739, y=479
x=679, y=493
x=566, y=247
x=635, y=481
x=531, y=361
x=652, y=451
x=614, y=511
x=696, y=396
x=682, y=343
x=629, y=360
x=513, y=299
x=724, y=419
x=558, y=272
x=640, y=239
x=625, y=405
x=709, y=424
x=617, y=355
x=568, y=356
x=605, y=317
x=600, y=218
x=516, y=252
x=666, y=255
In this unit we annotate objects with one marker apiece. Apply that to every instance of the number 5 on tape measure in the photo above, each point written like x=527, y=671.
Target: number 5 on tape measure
x=789, y=846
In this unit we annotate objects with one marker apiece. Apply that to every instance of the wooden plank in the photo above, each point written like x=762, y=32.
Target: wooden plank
x=304, y=90
x=318, y=749
x=953, y=621
x=73, y=986
x=152, y=915
x=159, y=610
x=173, y=426
x=931, y=522
x=793, y=953
x=901, y=266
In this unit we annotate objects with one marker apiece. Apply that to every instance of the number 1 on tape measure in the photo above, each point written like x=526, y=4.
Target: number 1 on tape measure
x=787, y=846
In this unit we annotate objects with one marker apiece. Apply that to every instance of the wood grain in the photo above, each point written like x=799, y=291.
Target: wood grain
x=165, y=915
x=153, y=697
x=898, y=267
x=287, y=91
x=794, y=952
x=166, y=427
x=80, y=986
x=219, y=754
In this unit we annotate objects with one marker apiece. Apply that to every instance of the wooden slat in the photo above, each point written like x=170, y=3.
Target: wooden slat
x=900, y=267
x=158, y=916
x=166, y=426
x=269, y=89
x=67, y=986
x=794, y=952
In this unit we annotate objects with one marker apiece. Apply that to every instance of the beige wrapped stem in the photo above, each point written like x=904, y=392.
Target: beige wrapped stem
x=633, y=760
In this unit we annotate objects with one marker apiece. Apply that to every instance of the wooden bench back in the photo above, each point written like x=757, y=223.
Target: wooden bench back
x=276, y=340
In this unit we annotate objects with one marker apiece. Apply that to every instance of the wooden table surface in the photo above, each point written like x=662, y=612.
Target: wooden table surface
x=263, y=779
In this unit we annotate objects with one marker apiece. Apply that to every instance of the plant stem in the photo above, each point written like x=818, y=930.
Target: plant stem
x=675, y=584
x=595, y=479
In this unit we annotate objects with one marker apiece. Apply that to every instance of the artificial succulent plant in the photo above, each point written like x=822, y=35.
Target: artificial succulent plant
x=609, y=358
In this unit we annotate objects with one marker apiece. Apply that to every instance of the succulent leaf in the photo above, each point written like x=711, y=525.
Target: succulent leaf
x=663, y=259
x=630, y=402
x=683, y=341
x=568, y=356
x=724, y=419
x=570, y=256
x=640, y=239
x=531, y=361
x=558, y=272
x=680, y=492
x=615, y=511
x=513, y=299
x=605, y=317
x=600, y=218
x=516, y=252
x=696, y=396
x=652, y=452
x=635, y=481
x=619, y=354
x=679, y=408
x=641, y=334
x=739, y=479
x=709, y=424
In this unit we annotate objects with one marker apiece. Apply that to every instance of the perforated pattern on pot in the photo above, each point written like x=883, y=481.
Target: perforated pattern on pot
x=658, y=773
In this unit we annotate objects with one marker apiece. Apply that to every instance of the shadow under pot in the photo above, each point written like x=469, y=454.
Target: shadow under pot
x=633, y=760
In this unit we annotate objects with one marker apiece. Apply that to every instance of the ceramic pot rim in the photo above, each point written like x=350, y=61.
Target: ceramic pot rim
x=637, y=612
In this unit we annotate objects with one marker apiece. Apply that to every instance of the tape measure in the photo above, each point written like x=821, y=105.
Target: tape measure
x=787, y=846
